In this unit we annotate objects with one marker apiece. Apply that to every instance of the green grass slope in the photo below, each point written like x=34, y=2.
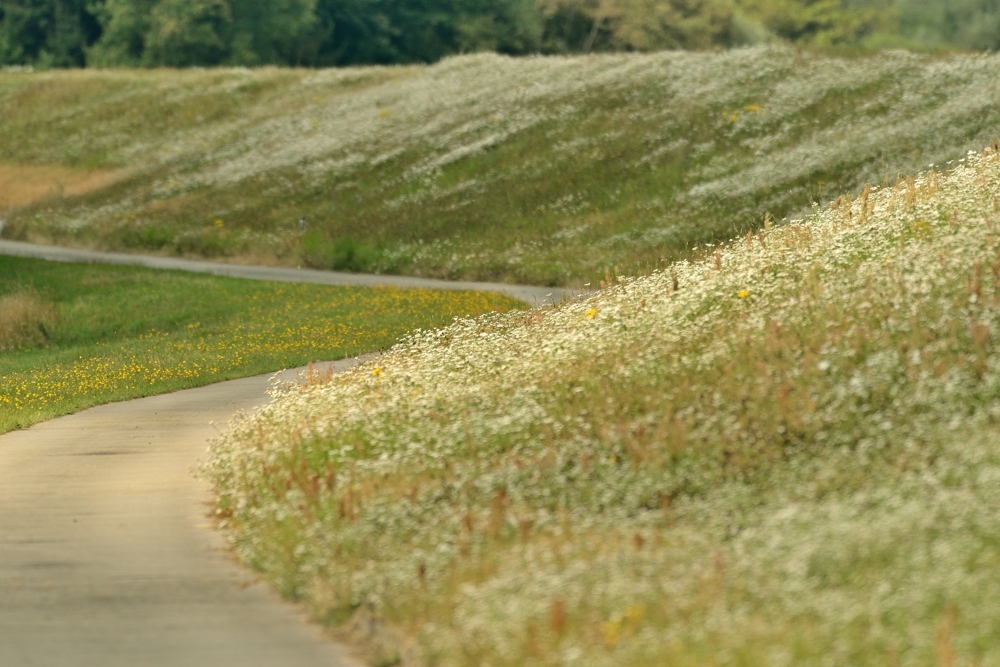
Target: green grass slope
x=77, y=335
x=783, y=453
x=535, y=170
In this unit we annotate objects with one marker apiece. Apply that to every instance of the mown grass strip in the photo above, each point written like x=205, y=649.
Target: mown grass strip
x=77, y=335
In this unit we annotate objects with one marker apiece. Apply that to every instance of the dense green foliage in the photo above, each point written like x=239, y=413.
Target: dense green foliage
x=178, y=33
x=253, y=32
x=972, y=24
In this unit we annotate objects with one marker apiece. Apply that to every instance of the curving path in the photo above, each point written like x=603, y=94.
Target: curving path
x=108, y=559
x=107, y=555
x=532, y=294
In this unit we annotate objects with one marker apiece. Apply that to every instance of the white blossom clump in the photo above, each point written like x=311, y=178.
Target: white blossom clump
x=784, y=452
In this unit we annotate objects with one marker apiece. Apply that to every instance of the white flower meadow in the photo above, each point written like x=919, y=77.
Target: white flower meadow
x=783, y=453
x=752, y=129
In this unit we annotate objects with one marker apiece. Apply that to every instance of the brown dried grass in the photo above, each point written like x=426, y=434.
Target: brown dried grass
x=22, y=184
x=25, y=320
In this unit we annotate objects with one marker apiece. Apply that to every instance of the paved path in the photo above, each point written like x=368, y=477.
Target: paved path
x=107, y=558
x=531, y=294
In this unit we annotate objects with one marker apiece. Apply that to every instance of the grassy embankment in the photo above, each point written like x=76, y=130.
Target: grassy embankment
x=785, y=453
x=538, y=170
x=73, y=336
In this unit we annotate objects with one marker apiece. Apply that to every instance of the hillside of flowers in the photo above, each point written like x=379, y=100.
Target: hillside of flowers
x=543, y=170
x=782, y=453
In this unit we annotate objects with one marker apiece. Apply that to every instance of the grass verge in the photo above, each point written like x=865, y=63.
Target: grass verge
x=784, y=453
x=77, y=335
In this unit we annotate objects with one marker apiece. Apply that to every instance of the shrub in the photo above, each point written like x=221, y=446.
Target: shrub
x=152, y=237
x=344, y=254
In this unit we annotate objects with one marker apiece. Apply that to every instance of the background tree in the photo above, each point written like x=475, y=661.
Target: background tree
x=970, y=24
x=187, y=32
x=400, y=31
x=269, y=31
x=821, y=22
x=50, y=33
x=179, y=33
x=126, y=27
x=581, y=26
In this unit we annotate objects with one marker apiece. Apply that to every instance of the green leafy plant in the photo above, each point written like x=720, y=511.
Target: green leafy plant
x=344, y=254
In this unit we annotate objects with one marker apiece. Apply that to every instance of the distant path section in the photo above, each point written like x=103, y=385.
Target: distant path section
x=108, y=557
x=536, y=296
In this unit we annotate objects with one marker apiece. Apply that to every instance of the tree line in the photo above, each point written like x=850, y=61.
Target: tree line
x=321, y=33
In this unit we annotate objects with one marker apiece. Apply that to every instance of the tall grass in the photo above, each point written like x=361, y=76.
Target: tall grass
x=25, y=320
x=783, y=453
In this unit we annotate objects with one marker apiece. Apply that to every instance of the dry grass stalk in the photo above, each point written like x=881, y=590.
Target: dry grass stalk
x=25, y=320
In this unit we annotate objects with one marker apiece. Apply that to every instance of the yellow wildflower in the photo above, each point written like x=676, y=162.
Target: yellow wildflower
x=743, y=293
x=612, y=632
x=590, y=313
x=635, y=612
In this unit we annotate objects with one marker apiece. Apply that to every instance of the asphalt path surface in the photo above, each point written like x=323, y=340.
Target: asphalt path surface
x=536, y=296
x=108, y=557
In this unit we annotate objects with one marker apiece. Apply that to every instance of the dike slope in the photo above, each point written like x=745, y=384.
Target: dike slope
x=523, y=170
x=785, y=451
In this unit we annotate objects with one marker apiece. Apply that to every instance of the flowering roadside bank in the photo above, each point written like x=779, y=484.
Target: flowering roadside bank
x=781, y=454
